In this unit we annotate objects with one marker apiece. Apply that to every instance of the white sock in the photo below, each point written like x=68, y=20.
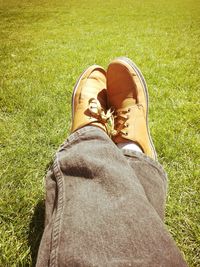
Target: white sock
x=130, y=145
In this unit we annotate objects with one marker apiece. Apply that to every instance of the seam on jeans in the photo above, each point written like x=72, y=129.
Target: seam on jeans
x=139, y=155
x=58, y=218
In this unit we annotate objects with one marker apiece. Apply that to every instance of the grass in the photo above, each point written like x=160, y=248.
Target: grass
x=45, y=45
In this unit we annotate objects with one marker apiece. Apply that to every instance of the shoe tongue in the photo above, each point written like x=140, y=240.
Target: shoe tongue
x=94, y=84
x=94, y=87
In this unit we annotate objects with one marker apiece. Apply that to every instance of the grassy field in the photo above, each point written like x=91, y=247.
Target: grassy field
x=45, y=45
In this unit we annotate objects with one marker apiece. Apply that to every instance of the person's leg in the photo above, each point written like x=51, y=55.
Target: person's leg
x=100, y=215
x=97, y=211
x=128, y=97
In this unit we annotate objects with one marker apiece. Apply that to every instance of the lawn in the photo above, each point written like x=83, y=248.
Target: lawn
x=45, y=45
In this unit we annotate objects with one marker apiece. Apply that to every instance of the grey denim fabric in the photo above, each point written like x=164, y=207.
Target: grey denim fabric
x=105, y=207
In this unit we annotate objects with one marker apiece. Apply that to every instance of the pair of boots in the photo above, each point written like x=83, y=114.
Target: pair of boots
x=115, y=100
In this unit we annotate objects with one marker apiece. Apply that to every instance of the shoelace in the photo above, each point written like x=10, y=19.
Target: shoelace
x=114, y=122
x=120, y=120
x=107, y=119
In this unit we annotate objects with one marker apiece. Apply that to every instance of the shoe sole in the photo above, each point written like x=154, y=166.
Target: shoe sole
x=87, y=70
x=144, y=85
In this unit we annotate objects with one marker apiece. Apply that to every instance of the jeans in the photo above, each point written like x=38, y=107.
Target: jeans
x=105, y=207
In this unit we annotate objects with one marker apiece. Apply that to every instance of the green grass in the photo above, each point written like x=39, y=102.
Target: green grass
x=45, y=45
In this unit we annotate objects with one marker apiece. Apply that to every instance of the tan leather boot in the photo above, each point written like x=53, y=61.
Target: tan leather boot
x=128, y=96
x=89, y=99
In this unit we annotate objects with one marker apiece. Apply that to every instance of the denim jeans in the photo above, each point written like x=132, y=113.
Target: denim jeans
x=105, y=207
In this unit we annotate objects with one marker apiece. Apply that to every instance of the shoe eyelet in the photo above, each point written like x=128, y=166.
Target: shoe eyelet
x=126, y=133
x=129, y=109
x=127, y=125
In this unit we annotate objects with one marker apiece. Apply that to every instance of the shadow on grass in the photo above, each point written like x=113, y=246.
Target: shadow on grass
x=36, y=226
x=36, y=229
